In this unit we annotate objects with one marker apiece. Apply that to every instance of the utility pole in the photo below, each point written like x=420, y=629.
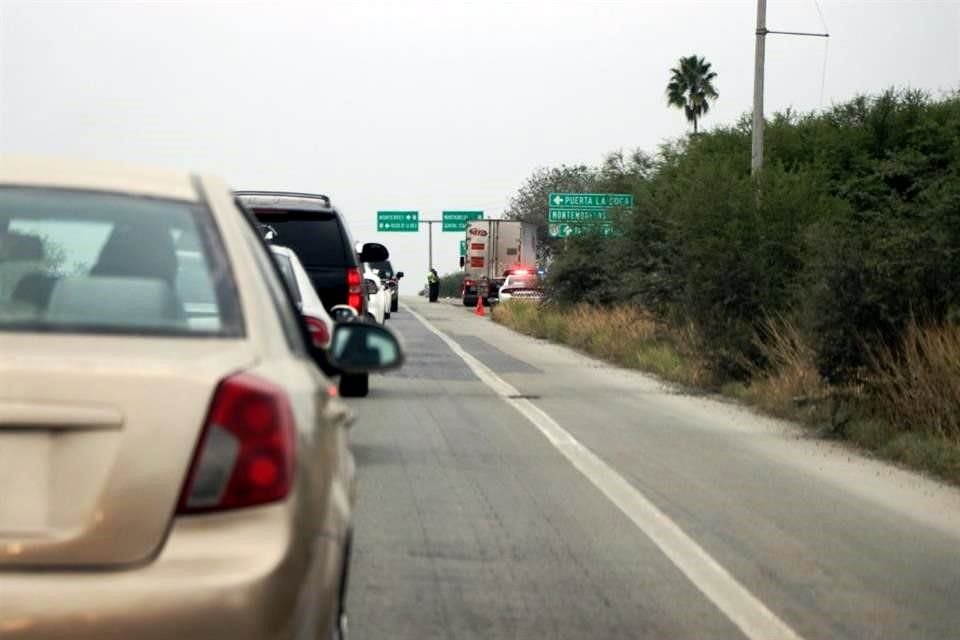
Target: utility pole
x=429, y=244
x=756, y=154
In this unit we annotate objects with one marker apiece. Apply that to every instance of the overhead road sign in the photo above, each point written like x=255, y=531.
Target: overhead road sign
x=457, y=220
x=398, y=220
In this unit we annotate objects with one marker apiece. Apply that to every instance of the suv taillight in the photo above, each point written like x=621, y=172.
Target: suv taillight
x=355, y=289
x=246, y=453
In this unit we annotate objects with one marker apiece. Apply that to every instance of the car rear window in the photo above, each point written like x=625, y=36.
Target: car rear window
x=314, y=236
x=385, y=268
x=84, y=261
x=524, y=283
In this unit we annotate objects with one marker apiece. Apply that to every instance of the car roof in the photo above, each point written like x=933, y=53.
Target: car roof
x=97, y=176
x=286, y=200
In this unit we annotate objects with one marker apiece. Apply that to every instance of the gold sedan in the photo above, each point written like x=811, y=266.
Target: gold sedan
x=173, y=464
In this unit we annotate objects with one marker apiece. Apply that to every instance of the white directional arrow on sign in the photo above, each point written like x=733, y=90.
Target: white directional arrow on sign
x=557, y=200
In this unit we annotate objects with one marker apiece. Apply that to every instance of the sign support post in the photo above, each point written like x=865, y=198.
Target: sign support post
x=430, y=245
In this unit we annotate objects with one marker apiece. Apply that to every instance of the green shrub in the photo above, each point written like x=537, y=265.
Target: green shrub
x=450, y=284
x=853, y=228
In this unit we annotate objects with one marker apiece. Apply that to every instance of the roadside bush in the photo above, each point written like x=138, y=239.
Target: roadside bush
x=450, y=284
x=917, y=386
x=585, y=272
x=788, y=384
x=855, y=222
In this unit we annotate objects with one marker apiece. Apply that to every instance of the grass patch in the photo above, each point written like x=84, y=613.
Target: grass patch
x=925, y=452
x=625, y=336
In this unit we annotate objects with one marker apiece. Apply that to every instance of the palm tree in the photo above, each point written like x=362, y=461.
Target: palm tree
x=691, y=88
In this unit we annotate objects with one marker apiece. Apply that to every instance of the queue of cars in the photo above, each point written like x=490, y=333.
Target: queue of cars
x=316, y=232
x=173, y=460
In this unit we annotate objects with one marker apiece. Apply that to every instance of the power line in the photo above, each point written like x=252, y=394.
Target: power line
x=823, y=22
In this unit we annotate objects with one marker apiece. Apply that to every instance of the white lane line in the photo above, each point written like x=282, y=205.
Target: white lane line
x=750, y=615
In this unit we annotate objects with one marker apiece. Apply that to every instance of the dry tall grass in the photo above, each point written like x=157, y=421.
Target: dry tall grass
x=917, y=386
x=790, y=386
x=627, y=336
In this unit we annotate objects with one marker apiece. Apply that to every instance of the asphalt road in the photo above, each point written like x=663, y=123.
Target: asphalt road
x=518, y=489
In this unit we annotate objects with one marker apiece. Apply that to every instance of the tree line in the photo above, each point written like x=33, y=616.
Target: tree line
x=851, y=233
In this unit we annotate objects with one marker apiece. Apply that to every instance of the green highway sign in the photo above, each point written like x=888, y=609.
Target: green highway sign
x=398, y=221
x=591, y=200
x=463, y=247
x=565, y=230
x=457, y=220
x=577, y=215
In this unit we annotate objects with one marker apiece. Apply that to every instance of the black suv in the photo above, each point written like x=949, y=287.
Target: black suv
x=313, y=228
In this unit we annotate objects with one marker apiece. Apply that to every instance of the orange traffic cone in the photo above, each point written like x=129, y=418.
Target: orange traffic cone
x=479, y=310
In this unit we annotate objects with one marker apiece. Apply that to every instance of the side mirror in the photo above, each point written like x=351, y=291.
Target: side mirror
x=343, y=313
x=374, y=252
x=399, y=274
x=359, y=347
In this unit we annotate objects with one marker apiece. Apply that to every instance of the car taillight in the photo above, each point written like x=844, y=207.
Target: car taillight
x=246, y=453
x=319, y=333
x=355, y=289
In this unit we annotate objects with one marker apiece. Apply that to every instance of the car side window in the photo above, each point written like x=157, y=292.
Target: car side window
x=278, y=293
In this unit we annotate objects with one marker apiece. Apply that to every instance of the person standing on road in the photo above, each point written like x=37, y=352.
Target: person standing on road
x=433, y=284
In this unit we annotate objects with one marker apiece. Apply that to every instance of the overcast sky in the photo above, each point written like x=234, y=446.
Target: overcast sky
x=423, y=105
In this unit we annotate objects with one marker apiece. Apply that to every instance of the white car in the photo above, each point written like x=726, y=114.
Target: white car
x=315, y=315
x=378, y=296
x=521, y=287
